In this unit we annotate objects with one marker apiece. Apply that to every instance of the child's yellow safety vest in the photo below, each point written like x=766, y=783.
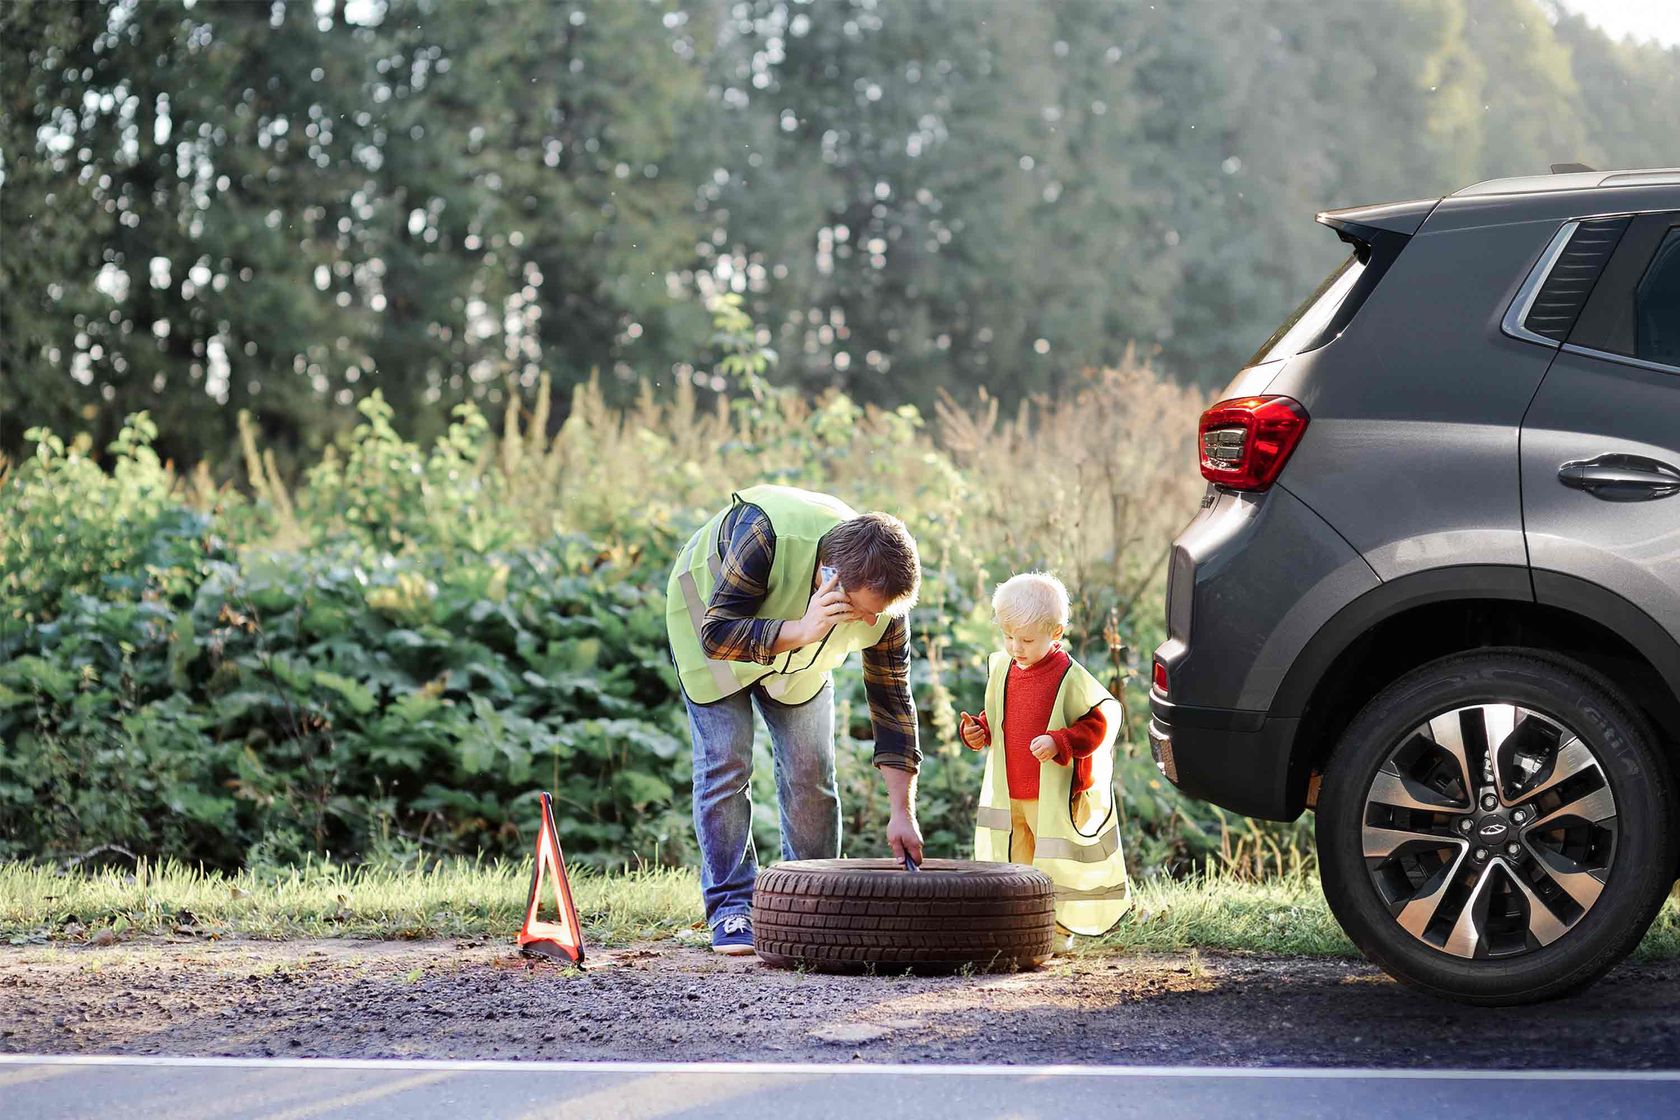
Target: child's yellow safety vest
x=1083, y=860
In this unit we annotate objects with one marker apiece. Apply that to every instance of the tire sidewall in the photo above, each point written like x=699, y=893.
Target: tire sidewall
x=852, y=915
x=1645, y=848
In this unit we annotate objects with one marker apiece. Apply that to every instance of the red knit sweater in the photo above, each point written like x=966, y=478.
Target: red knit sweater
x=1029, y=701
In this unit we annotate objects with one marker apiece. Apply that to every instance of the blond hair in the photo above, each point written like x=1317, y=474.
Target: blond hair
x=1031, y=599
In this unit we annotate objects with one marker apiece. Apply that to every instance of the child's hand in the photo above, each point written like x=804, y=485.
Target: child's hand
x=1043, y=748
x=973, y=735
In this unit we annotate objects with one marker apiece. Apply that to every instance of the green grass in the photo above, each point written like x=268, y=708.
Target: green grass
x=1278, y=915
x=1283, y=915
x=455, y=899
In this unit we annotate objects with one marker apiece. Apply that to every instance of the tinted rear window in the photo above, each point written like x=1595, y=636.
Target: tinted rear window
x=1656, y=306
x=1302, y=330
x=1634, y=308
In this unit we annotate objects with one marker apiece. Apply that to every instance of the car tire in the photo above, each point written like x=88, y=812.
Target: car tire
x=1390, y=771
x=848, y=915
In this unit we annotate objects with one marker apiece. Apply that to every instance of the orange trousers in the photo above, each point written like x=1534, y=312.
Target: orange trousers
x=1024, y=814
x=1022, y=843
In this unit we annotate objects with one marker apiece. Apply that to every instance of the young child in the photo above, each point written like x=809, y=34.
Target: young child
x=1048, y=795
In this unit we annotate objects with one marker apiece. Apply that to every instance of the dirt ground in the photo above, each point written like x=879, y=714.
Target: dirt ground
x=673, y=1002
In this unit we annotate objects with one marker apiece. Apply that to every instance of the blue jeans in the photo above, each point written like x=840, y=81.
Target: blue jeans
x=802, y=746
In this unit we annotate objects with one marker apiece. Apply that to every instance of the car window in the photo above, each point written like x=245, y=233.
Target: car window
x=1656, y=306
x=1308, y=320
x=1573, y=274
x=1634, y=308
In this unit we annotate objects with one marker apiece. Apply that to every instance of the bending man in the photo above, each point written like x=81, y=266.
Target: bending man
x=766, y=599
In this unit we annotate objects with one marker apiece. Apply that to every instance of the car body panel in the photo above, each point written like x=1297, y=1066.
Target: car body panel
x=1409, y=487
x=1411, y=452
x=1233, y=631
x=1632, y=547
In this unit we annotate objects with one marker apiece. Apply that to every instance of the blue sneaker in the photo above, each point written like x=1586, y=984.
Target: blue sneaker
x=733, y=936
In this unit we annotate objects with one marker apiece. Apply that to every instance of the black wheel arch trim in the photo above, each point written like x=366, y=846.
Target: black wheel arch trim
x=1583, y=598
x=1385, y=601
x=1592, y=601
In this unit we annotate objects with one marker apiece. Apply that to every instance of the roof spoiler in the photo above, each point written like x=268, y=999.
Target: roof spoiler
x=1365, y=224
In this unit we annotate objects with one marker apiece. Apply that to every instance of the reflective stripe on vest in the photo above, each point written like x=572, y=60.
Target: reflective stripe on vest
x=697, y=610
x=1054, y=847
x=1101, y=894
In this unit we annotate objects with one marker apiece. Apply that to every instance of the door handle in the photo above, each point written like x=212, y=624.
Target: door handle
x=1622, y=478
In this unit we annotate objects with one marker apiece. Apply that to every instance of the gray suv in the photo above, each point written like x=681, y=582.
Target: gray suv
x=1433, y=591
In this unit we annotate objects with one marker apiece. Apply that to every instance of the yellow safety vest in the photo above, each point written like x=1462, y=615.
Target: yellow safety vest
x=1086, y=864
x=799, y=519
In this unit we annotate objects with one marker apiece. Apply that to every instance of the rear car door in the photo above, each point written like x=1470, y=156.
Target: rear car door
x=1600, y=444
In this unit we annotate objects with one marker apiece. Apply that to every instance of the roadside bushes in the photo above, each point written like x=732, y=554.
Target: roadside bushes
x=385, y=661
x=297, y=703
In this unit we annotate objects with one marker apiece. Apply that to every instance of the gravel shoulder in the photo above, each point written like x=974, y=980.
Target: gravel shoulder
x=667, y=1001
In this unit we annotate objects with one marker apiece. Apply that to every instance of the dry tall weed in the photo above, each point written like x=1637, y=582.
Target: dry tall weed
x=1092, y=484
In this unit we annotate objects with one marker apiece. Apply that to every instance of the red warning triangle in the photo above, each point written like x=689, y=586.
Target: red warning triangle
x=563, y=937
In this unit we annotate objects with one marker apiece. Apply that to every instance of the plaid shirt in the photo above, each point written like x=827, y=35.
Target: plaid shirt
x=731, y=633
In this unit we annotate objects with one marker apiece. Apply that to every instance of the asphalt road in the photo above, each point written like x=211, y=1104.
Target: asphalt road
x=68, y=1087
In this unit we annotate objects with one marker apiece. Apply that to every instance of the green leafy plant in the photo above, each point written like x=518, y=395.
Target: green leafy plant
x=389, y=661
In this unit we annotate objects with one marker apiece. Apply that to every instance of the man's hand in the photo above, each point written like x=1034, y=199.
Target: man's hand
x=829, y=607
x=1043, y=748
x=973, y=735
x=905, y=836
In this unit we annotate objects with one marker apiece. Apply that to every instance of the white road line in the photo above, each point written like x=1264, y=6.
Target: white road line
x=655, y=1095
x=844, y=1069
x=360, y=1096
x=25, y=1076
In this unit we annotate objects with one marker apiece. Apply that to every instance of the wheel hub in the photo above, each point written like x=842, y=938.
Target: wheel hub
x=1489, y=831
x=1492, y=830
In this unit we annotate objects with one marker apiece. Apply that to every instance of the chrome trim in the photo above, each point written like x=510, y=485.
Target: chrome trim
x=1512, y=324
x=1622, y=359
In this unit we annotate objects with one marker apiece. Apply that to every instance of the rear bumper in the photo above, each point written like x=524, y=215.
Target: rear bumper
x=1239, y=760
x=1253, y=579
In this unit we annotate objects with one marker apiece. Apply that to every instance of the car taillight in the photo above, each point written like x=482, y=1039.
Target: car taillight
x=1161, y=679
x=1246, y=442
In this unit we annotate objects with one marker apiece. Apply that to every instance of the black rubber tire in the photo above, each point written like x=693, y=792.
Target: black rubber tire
x=1640, y=878
x=848, y=915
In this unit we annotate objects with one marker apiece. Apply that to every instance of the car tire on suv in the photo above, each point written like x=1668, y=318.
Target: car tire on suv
x=1503, y=876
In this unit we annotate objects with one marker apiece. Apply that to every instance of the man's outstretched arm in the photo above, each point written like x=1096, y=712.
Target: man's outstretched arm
x=903, y=833
x=898, y=755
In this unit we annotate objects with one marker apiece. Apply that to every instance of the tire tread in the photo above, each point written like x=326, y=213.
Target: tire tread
x=1346, y=884
x=848, y=915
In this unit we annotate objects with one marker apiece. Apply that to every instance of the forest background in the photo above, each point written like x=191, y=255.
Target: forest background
x=363, y=364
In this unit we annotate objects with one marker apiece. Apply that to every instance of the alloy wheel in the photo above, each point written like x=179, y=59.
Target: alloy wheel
x=1489, y=831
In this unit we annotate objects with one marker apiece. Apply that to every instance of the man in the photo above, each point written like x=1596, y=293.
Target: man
x=766, y=599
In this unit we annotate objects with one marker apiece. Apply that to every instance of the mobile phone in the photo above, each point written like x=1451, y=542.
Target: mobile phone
x=826, y=573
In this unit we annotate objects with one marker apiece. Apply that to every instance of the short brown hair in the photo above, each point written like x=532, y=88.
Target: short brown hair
x=875, y=551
